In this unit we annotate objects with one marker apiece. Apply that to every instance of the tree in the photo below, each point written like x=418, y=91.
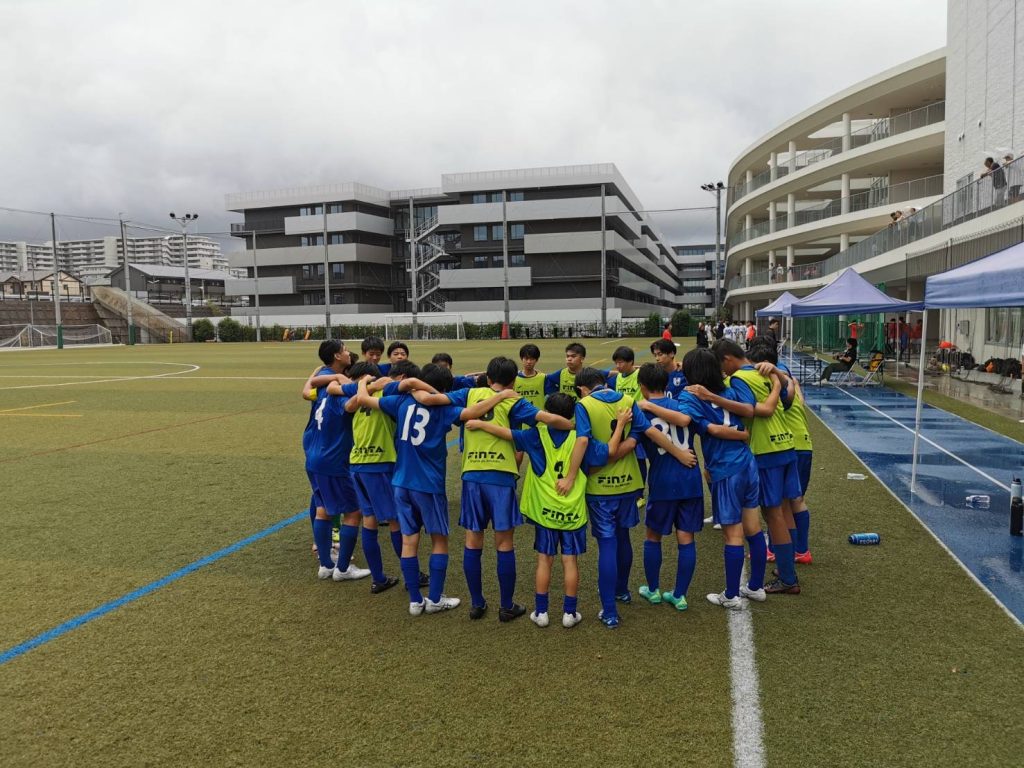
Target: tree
x=202, y=330
x=653, y=325
x=681, y=323
x=229, y=329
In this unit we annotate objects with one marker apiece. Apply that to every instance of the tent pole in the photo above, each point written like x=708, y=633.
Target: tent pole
x=920, y=400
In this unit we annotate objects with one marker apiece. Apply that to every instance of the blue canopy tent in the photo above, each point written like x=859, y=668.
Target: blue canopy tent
x=994, y=281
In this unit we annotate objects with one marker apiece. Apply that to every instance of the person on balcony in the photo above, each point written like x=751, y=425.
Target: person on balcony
x=995, y=170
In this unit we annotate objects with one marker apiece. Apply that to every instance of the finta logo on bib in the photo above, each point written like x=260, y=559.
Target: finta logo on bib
x=561, y=517
x=485, y=456
x=368, y=450
x=614, y=479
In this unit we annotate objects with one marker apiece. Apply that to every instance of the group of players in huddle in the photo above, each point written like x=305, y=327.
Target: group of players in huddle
x=588, y=442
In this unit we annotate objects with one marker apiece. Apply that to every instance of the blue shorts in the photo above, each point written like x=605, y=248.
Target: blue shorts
x=684, y=514
x=731, y=495
x=803, y=465
x=334, y=493
x=608, y=513
x=778, y=483
x=376, y=495
x=419, y=509
x=485, y=505
x=548, y=541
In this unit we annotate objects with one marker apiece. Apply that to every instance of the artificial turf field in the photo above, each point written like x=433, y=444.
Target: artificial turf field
x=891, y=656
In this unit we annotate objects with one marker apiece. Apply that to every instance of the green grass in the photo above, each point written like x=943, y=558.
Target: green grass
x=253, y=661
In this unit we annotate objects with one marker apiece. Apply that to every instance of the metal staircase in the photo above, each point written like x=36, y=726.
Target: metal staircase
x=426, y=248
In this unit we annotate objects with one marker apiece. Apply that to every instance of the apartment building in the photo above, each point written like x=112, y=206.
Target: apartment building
x=697, y=279
x=555, y=227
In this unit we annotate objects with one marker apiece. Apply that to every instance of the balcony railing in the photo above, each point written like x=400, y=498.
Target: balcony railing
x=880, y=129
x=980, y=197
x=862, y=201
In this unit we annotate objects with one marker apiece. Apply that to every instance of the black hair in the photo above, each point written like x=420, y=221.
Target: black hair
x=406, y=368
x=763, y=350
x=560, y=404
x=653, y=377
x=701, y=366
x=503, y=371
x=372, y=343
x=398, y=345
x=443, y=357
x=852, y=342
x=437, y=377
x=364, y=368
x=578, y=348
x=664, y=346
x=724, y=347
x=624, y=353
x=481, y=381
x=328, y=349
x=531, y=351
x=591, y=378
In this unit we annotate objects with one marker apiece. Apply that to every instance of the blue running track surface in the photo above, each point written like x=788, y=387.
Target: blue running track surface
x=957, y=459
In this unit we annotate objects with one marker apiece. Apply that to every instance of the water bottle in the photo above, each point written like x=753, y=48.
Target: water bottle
x=1016, y=508
x=978, y=501
x=865, y=538
x=855, y=476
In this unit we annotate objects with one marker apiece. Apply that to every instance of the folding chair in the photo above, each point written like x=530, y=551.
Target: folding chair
x=875, y=368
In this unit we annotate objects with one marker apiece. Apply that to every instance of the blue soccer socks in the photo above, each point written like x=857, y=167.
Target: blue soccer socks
x=322, y=539
x=540, y=603
x=758, y=560
x=652, y=564
x=438, y=571
x=396, y=543
x=624, y=560
x=507, y=577
x=786, y=564
x=472, y=566
x=411, y=575
x=607, y=560
x=347, y=536
x=803, y=530
x=685, y=567
x=371, y=551
x=733, y=569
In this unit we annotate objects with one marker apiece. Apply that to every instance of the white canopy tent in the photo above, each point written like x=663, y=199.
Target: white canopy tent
x=994, y=281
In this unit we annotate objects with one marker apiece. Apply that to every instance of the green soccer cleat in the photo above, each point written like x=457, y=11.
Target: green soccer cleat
x=652, y=596
x=679, y=603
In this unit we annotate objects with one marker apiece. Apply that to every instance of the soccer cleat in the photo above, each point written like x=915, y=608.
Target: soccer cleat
x=804, y=558
x=415, y=609
x=757, y=595
x=511, y=614
x=477, y=611
x=444, y=604
x=383, y=586
x=351, y=573
x=424, y=580
x=324, y=573
x=779, y=587
x=709, y=519
x=652, y=596
x=679, y=603
x=625, y=598
x=570, y=620
x=540, y=619
x=717, y=526
x=771, y=556
x=732, y=603
x=612, y=622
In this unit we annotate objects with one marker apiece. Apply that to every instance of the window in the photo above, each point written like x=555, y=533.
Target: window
x=1003, y=326
x=312, y=271
x=334, y=208
x=313, y=298
x=498, y=260
x=480, y=232
x=311, y=210
x=308, y=240
x=337, y=271
x=495, y=197
x=516, y=197
x=479, y=262
x=336, y=238
x=516, y=231
x=498, y=232
x=337, y=298
x=479, y=197
x=517, y=259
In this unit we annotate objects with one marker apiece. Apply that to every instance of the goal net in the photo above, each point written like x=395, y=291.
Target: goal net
x=431, y=325
x=46, y=335
x=15, y=336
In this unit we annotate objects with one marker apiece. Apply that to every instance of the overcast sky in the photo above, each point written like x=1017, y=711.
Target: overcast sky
x=149, y=107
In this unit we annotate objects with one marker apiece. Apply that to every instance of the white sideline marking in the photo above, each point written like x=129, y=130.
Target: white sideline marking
x=747, y=725
x=924, y=525
x=930, y=442
x=189, y=366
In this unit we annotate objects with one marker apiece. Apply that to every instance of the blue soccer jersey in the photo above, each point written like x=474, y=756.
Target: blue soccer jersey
x=331, y=440
x=676, y=383
x=528, y=441
x=463, y=382
x=722, y=458
x=307, y=433
x=668, y=479
x=744, y=394
x=420, y=441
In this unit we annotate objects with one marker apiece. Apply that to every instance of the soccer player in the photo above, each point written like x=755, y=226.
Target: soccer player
x=397, y=351
x=489, y=475
x=664, y=352
x=458, y=382
x=554, y=501
x=420, y=494
x=327, y=465
x=529, y=381
x=373, y=349
x=564, y=380
x=612, y=489
x=771, y=442
x=624, y=377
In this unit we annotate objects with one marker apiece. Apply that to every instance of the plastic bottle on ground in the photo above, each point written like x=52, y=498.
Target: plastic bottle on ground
x=856, y=476
x=978, y=501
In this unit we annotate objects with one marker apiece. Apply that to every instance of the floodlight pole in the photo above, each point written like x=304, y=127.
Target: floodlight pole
x=256, y=284
x=504, y=253
x=327, y=280
x=604, y=270
x=183, y=221
x=127, y=281
x=55, y=284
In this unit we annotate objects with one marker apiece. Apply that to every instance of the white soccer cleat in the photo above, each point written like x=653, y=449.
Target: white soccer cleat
x=351, y=573
x=324, y=573
x=415, y=609
x=540, y=619
x=570, y=620
x=709, y=519
x=758, y=595
x=732, y=603
x=444, y=604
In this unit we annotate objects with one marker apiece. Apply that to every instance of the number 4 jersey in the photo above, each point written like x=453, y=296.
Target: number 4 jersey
x=668, y=479
x=421, y=449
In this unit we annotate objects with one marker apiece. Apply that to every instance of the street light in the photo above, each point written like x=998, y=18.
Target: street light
x=715, y=188
x=184, y=222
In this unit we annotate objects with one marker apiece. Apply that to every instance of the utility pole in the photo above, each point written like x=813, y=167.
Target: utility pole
x=55, y=284
x=127, y=280
x=604, y=270
x=256, y=284
x=413, y=273
x=184, y=222
x=504, y=254
x=327, y=281
x=716, y=188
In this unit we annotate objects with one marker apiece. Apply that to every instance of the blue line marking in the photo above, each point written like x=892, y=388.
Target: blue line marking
x=130, y=597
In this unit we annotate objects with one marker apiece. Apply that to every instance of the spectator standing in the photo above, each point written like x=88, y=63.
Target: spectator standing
x=773, y=332
x=915, y=338
x=993, y=169
x=667, y=332
x=702, y=336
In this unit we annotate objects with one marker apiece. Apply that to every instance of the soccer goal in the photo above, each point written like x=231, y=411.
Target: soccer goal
x=15, y=336
x=74, y=335
x=432, y=325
